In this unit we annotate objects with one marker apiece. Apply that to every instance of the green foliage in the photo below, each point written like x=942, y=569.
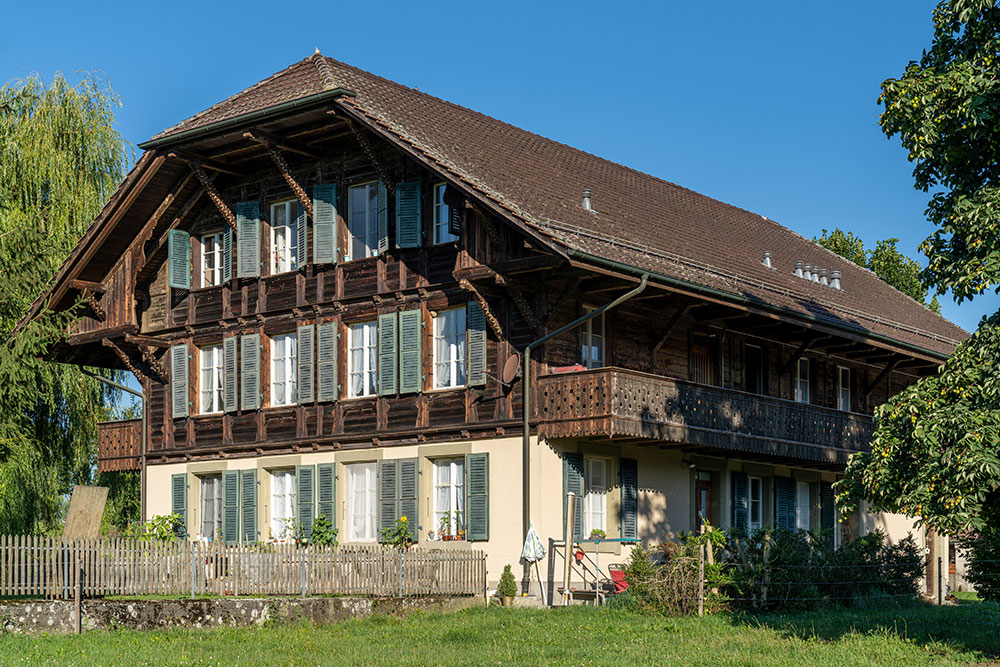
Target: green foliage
x=60, y=159
x=885, y=261
x=983, y=570
x=398, y=535
x=323, y=532
x=123, y=499
x=507, y=588
x=160, y=528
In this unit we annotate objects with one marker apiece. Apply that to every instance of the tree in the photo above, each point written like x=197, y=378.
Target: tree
x=885, y=261
x=61, y=157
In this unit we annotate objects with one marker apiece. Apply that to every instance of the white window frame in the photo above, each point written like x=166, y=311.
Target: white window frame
x=803, y=518
x=283, y=357
x=210, y=493
x=442, y=217
x=449, y=348
x=211, y=249
x=449, y=493
x=843, y=388
x=802, y=382
x=284, y=237
x=361, y=503
x=362, y=225
x=362, y=346
x=758, y=502
x=210, y=370
x=283, y=504
x=592, y=340
x=595, y=496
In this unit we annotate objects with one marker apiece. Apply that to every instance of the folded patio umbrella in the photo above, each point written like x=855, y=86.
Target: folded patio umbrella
x=533, y=552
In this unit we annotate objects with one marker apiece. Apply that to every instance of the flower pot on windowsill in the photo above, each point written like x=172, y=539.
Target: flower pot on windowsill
x=461, y=535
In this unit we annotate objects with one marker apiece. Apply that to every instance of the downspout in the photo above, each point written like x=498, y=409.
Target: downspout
x=526, y=398
x=145, y=420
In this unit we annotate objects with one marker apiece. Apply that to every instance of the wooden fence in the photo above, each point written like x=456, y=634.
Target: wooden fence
x=35, y=566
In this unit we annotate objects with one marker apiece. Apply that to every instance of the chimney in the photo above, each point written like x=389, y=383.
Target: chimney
x=798, y=269
x=835, y=279
x=767, y=259
x=586, y=200
x=822, y=277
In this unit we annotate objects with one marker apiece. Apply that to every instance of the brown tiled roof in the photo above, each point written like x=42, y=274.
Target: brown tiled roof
x=639, y=220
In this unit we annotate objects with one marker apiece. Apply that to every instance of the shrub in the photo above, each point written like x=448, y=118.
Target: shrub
x=323, y=532
x=669, y=587
x=507, y=588
x=983, y=551
x=398, y=535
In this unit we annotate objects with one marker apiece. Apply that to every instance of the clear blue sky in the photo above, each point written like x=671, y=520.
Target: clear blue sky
x=769, y=106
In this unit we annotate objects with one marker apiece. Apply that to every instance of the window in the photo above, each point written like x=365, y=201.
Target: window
x=702, y=499
x=283, y=369
x=703, y=359
x=449, y=496
x=284, y=237
x=211, y=507
x=802, y=381
x=753, y=369
x=595, y=495
x=362, y=361
x=362, y=221
x=449, y=348
x=756, y=503
x=442, y=217
x=360, y=502
x=210, y=385
x=283, y=504
x=843, y=389
x=211, y=260
x=592, y=340
x=802, y=521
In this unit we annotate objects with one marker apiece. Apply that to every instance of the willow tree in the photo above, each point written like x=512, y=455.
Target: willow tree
x=61, y=157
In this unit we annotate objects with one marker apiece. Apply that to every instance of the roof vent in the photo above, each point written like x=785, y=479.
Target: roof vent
x=815, y=274
x=798, y=269
x=835, y=279
x=586, y=200
x=807, y=272
x=822, y=277
x=767, y=260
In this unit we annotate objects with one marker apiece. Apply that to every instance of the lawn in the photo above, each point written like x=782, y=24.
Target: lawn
x=911, y=635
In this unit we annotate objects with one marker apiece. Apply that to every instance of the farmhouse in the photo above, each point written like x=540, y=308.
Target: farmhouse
x=345, y=297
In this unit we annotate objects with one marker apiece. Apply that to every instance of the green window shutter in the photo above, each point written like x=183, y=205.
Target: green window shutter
x=573, y=482
x=409, y=215
x=324, y=224
x=382, y=197
x=411, y=369
x=301, y=238
x=305, y=368
x=387, y=358
x=326, y=361
x=248, y=239
x=179, y=380
x=230, y=397
x=250, y=372
x=231, y=506
x=477, y=497
x=248, y=505
x=178, y=259
x=227, y=254
x=475, y=337
x=305, y=498
x=409, y=492
x=388, y=495
x=784, y=503
x=326, y=491
x=741, y=501
x=178, y=502
x=827, y=511
x=630, y=499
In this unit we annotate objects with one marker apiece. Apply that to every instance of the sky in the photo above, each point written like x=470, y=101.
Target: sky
x=770, y=106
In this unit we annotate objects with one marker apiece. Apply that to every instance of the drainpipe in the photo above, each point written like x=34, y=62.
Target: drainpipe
x=145, y=419
x=526, y=399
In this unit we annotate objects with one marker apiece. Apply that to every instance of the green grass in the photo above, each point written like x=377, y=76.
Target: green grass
x=915, y=635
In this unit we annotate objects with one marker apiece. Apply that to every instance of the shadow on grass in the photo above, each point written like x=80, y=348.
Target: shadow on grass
x=971, y=626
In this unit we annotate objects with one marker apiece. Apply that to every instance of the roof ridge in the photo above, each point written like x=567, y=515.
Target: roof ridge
x=325, y=72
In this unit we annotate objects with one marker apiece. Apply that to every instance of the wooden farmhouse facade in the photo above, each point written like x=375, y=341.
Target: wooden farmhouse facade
x=331, y=289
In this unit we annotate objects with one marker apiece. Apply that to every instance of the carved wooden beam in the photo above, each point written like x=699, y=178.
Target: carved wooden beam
x=880, y=377
x=147, y=229
x=290, y=145
x=95, y=305
x=149, y=356
x=792, y=360
x=107, y=342
x=370, y=152
x=89, y=285
x=487, y=312
x=664, y=334
x=300, y=194
x=148, y=341
x=213, y=194
x=201, y=161
x=570, y=286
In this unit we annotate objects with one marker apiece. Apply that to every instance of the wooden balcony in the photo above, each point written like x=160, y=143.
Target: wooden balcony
x=119, y=445
x=623, y=404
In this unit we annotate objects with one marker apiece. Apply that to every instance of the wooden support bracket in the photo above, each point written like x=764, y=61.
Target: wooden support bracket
x=261, y=137
x=881, y=376
x=521, y=302
x=366, y=146
x=94, y=305
x=485, y=307
x=126, y=359
x=663, y=335
x=213, y=194
x=207, y=163
x=300, y=193
x=89, y=285
x=570, y=287
x=792, y=360
x=149, y=356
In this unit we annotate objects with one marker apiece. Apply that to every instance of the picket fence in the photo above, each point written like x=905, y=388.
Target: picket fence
x=36, y=566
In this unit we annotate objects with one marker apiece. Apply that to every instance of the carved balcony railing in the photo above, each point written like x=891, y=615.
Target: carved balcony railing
x=119, y=445
x=619, y=403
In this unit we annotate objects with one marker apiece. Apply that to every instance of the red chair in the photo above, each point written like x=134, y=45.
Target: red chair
x=618, y=578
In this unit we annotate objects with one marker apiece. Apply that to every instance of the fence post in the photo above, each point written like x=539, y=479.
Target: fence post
x=305, y=554
x=940, y=592
x=568, y=545
x=77, y=603
x=193, y=561
x=701, y=580
x=399, y=559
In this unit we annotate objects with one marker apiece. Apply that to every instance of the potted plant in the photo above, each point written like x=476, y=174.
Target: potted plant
x=507, y=588
x=597, y=534
x=445, y=527
x=459, y=530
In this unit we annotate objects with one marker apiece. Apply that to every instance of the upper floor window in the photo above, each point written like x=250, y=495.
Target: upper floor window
x=283, y=369
x=595, y=495
x=362, y=221
x=449, y=348
x=843, y=388
x=211, y=506
x=282, y=504
x=284, y=237
x=449, y=496
x=592, y=340
x=210, y=379
x=703, y=359
x=442, y=217
x=211, y=260
x=362, y=362
x=756, y=503
x=802, y=381
x=753, y=369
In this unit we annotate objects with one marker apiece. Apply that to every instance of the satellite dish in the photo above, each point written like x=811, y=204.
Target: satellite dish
x=511, y=368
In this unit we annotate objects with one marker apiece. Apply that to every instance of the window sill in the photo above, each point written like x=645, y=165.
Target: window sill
x=444, y=389
x=442, y=545
x=207, y=415
x=275, y=408
x=199, y=290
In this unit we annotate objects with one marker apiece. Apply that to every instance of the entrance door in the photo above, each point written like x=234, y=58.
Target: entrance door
x=703, y=500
